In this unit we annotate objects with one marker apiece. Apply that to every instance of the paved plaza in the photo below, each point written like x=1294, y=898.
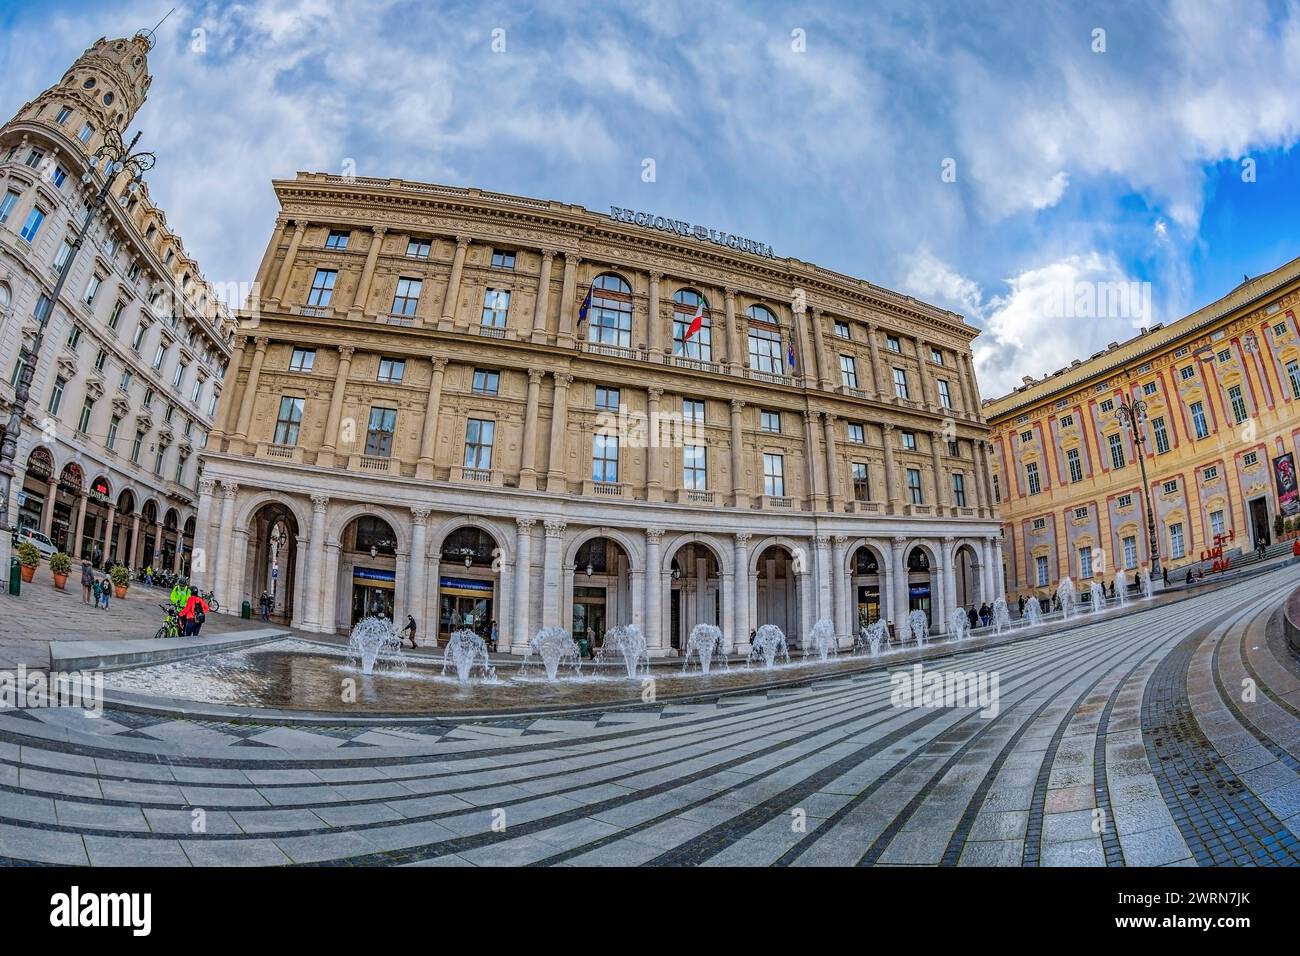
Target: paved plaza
x=1126, y=741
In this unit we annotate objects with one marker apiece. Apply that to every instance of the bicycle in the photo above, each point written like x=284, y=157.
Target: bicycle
x=210, y=600
x=171, y=626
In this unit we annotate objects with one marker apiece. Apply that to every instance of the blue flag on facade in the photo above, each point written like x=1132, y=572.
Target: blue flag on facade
x=586, y=304
x=789, y=351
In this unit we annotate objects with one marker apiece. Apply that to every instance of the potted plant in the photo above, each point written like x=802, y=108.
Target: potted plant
x=121, y=578
x=1279, y=527
x=29, y=556
x=60, y=565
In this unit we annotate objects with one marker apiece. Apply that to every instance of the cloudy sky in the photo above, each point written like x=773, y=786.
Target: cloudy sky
x=1002, y=159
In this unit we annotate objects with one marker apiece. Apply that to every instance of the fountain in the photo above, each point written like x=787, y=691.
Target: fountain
x=553, y=646
x=769, y=643
x=628, y=643
x=373, y=639
x=1065, y=595
x=1096, y=597
x=465, y=651
x=918, y=622
x=959, y=625
x=1033, y=612
x=871, y=637
x=1001, y=615
x=822, y=639
x=706, y=643
x=1146, y=584
x=1121, y=587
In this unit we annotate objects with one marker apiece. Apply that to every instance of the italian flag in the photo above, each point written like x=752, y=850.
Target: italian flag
x=697, y=322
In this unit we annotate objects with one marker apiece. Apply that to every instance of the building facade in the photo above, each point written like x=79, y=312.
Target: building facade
x=484, y=409
x=135, y=350
x=1221, y=436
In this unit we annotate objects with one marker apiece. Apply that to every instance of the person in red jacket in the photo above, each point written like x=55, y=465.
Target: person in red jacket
x=193, y=616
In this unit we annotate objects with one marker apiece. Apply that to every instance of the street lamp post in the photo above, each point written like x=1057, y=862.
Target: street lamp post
x=116, y=158
x=1132, y=415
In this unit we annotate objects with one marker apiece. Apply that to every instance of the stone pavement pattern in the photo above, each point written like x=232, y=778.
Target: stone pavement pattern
x=1124, y=742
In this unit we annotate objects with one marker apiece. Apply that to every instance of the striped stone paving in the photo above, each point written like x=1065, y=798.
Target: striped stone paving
x=1170, y=736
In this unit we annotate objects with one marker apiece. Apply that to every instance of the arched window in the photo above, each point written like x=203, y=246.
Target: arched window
x=765, y=352
x=609, y=320
x=687, y=304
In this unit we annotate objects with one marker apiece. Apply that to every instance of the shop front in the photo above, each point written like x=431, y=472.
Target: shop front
x=372, y=593
x=464, y=603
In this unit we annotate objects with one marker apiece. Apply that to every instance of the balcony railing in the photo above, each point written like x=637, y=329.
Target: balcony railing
x=491, y=331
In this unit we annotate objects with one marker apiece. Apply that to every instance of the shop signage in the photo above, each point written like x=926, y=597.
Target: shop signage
x=685, y=229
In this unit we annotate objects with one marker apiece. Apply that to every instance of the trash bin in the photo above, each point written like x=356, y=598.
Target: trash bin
x=246, y=611
x=584, y=650
x=15, y=576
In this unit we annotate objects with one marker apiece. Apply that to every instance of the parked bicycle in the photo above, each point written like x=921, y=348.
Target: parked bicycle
x=210, y=599
x=171, y=626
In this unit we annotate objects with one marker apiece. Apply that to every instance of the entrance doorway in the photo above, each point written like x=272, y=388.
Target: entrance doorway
x=589, y=613
x=464, y=603
x=1259, y=520
x=372, y=593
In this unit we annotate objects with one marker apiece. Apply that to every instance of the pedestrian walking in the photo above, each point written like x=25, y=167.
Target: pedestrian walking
x=264, y=606
x=493, y=632
x=410, y=629
x=105, y=589
x=87, y=579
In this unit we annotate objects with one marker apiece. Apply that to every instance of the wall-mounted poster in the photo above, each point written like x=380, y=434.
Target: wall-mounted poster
x=1288, y=497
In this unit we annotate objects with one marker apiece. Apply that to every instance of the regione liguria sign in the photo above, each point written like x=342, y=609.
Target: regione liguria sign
x=703, y=233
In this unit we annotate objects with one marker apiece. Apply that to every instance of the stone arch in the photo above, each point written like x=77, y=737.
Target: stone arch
x=502, y=536
x=871, y=544
x=249, y=506
x=339, y=522
x=722, y=554
x=625, y=541
x=798, y=551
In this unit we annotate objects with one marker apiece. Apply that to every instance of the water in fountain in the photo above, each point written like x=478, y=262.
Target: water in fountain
x=705, y=643
x=1065, y=594
x=822, y=639
x=959, y=625
x=918, y=622
x=1121, y=587
x=1001, y=615
x=1096, y=596
x=1146, y=584
x=373, y=639
x=465, y=651
x=553, y=646
x=769, y=644
x=626, y=643
x=1033, y=612
x=871, y=637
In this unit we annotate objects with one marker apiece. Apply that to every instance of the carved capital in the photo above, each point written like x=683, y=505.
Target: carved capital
x=379, y=231
x=207, y=486
x=346, y=352
x=462, y=243
x=555, y=529
x=420, y=516
x=548, y=255
x=229, y=489
x=821, y=541
x=653, y=535
x=535, y=376
x=439, y=362
x=654, y=394
x=319, y=503
x=562, y=379
x=743, y=538
x=525, y=525
x=262, y=342
x=841, y=540
x=737, y=405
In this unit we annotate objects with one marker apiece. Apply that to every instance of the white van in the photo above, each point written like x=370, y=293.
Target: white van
x=32, y=536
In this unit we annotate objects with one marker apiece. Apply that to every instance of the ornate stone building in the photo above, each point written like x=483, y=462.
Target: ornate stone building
x=136, y=347
x=479, y=408
x=1222, y=394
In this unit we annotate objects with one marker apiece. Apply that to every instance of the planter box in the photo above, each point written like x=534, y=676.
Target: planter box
x=119, y=591
x=28, y=573
x=60, y=581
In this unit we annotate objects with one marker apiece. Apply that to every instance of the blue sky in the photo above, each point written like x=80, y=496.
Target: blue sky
x=822, y=129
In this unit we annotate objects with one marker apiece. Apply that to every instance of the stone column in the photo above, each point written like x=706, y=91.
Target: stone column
x=286, y=267
x=999, y=570
x=891, y=471
x=942, y=500
x=654, y=336
x=982, y=477
x=835, y=498
x=987, y=576
x=740, y=606
x=950, y=575
x=158, y=545
x=654, y=474
x=417, y=587
x=812, y=455
x=315, y=584
x=543, y=297
x=825, y=578
x=108, y=534
x=970, y=385
x=654, y=585
x=135, y=538
x=519, y=631
x=452, y=295
x=739, y=487
x=429, y=428
x=82, y=500
x=899, y=573
x=361, y=298
x=47, y=510
x=528, y=453
x=840, y=590
x=556, y=480
x=552, y=574
x=328, y=449
x=250, y=393
x=200, y=560
x=819, y=343
x=228, y=409
x=736, y=351
x=879, y=381
x=922, y=364
x=803, y=370
x=225, y=537
x=565, y=338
